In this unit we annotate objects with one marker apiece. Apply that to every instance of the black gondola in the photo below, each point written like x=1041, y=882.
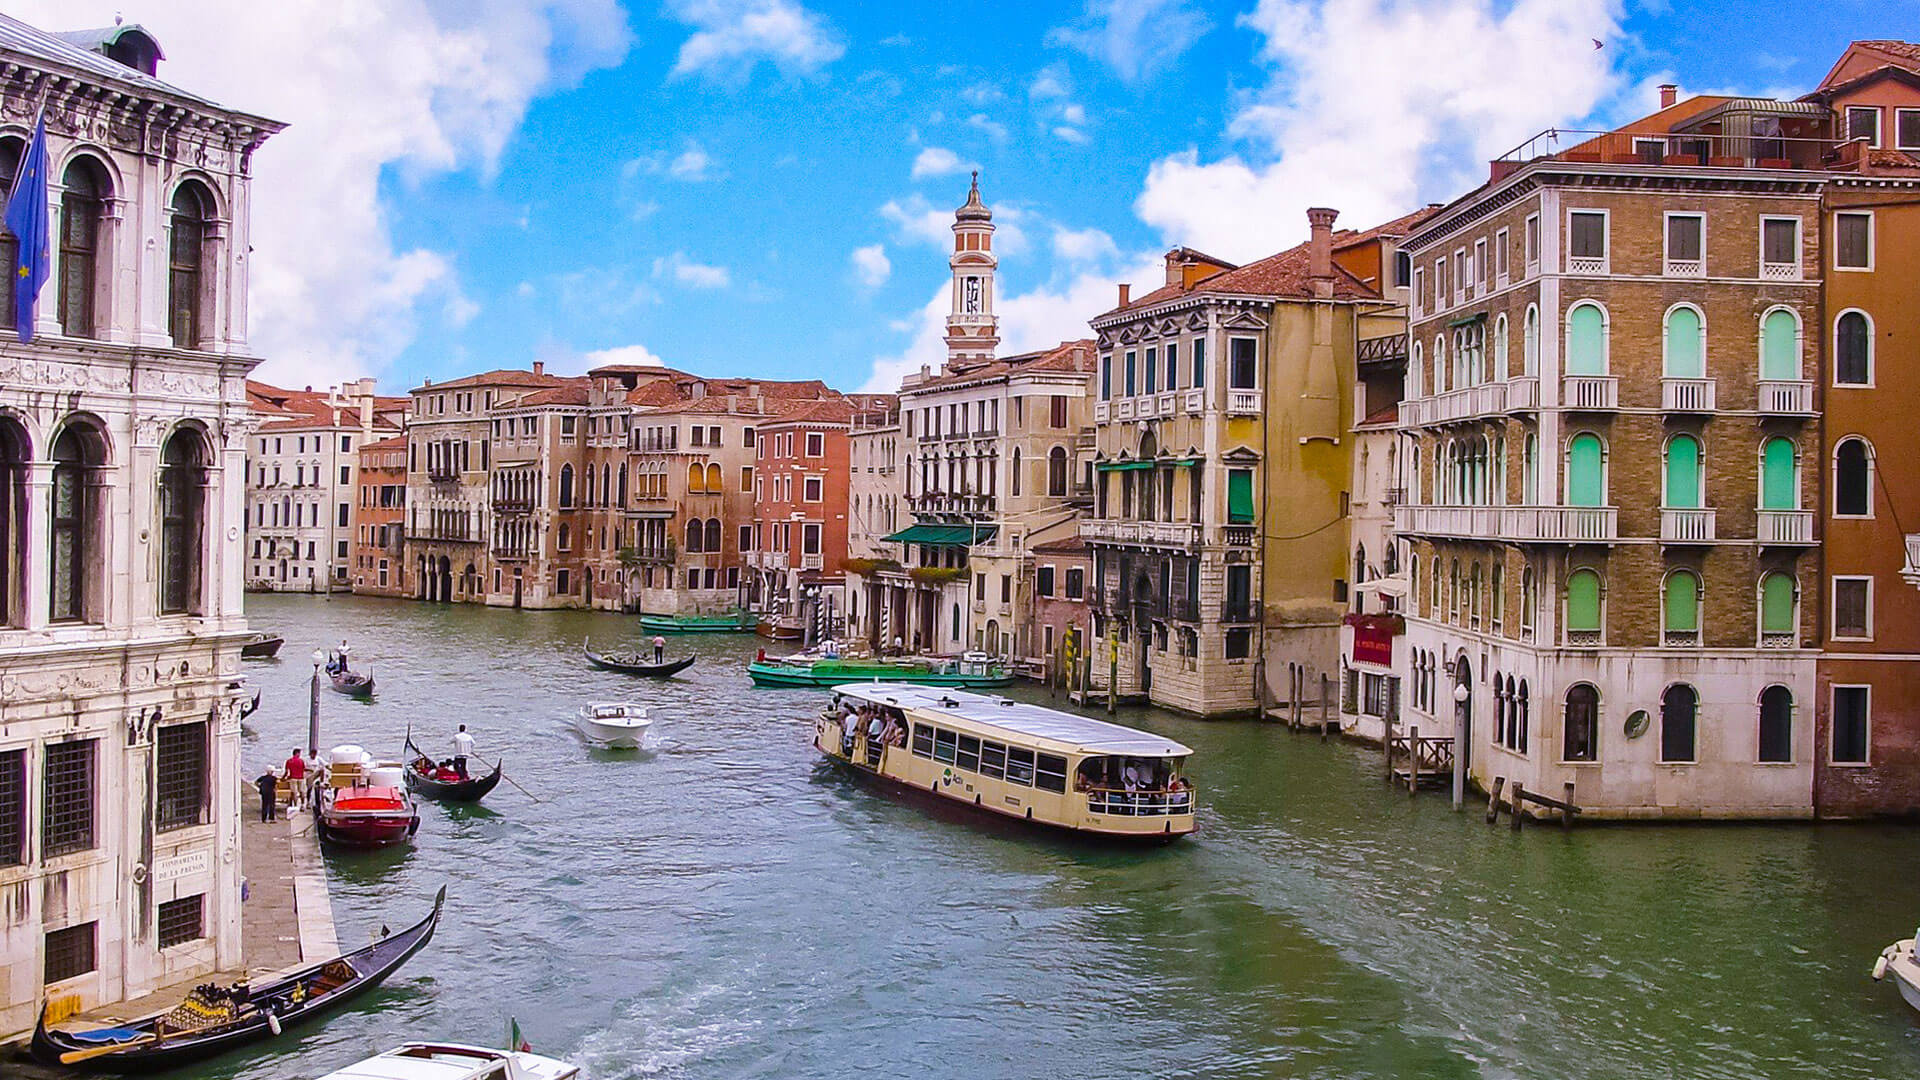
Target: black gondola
x=213, y=1023
x=261, y=647
x=470, y=790
x=632, y=664
x=352, y=683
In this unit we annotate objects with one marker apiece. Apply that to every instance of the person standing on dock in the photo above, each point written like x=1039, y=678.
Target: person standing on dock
x=297, y=776
x=266, y=783
x=462, y=748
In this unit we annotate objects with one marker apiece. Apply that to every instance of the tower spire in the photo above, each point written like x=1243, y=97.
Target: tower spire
x=972, y=329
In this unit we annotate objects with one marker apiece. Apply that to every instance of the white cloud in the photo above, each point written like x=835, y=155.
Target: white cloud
x=733, y=36
x=914, y=218
x=459, y=310
x=1028, y=321
x=982, y=93
x=984, y=123
x=871, y=267
x=409, y=85
x=626, y=355
x=525, y=290
x=1073, y=113
x=1071, y=134
x=1133, y=37
x=1049, y=83
x=681, y=270
x=692, y=165
x=938, y=161
x=1317, y=136
x=1082, y=245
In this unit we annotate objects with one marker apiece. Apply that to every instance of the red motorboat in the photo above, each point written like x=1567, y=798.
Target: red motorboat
x=366, y=816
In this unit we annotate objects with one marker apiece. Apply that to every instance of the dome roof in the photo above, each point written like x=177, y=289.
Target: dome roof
x=974, y=210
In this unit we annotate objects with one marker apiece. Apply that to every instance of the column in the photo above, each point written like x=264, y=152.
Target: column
x=39, y=525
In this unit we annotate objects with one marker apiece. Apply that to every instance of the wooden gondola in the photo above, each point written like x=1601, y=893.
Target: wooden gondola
x=212, y=1023
x=470, y=790
x=261, y=647
x=352, y=683
x=632, y=664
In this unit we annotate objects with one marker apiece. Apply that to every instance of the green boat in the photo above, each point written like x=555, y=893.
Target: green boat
x=733, y=622
x=803, y=671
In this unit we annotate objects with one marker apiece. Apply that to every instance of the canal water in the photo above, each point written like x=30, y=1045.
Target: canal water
x=721, y=905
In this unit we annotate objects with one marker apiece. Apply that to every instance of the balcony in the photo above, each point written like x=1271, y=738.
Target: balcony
x=1239, y=611
x=1123, y=409
x=1686, y=395
x=1786, y=527
x=1911, y=568
x=1196, y=402
x=1786, y=397
x=512, y=504
x=1680, y=149
x=1787, y=271
x=1690, y=526
x=1523, y=393
x=1164, y=404
x=811, y=562
x=1238, y=535
x=1467, y=403
x=1686, y=267
x=1184, y=535
x=1590, y=392
x=442, y=474
x=1680, y=639
x=1519, y=524
x=1243, y=403
x=1143, y=408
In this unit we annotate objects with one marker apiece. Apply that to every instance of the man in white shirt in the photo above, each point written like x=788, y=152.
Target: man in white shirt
x=462, y=747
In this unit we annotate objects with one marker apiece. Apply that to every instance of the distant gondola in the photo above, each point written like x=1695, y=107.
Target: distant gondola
x=631, y=664
x=261, y=647
x=352, y=683
x=218, y=1024
x=470, y=790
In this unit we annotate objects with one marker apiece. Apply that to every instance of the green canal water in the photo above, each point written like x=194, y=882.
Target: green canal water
x=722, y=905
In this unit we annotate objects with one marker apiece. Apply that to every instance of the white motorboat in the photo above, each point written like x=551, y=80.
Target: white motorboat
x=613, y=724
x=453, y=1061
x=1898, y=960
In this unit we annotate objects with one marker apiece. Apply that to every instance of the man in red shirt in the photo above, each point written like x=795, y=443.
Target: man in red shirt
x=296, y=776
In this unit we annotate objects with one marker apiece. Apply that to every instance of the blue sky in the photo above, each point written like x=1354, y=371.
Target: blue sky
x=761, y=186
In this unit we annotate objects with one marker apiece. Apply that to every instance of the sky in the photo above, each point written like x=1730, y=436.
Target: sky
x=764, y=187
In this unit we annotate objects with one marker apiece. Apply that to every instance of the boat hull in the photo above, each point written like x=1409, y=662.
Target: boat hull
x=367, y=832
x=359, y=686
x=265, y=648
x=652, y=671
x=612, y=736
x=696, y=624
x=765, y=674
x=457, y=791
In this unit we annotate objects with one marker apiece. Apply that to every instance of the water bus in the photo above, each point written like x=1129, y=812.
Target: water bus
x=1011, y=759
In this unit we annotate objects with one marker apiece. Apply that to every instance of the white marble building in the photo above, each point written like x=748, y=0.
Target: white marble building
x=123, y=432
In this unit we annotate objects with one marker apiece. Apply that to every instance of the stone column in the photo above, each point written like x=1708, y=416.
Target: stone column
x=36, y=567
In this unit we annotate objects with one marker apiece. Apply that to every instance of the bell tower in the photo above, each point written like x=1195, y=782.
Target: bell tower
x=972, y=329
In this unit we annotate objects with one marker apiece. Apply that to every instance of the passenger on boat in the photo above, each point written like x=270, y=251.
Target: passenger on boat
x=875, y=725
x=849, y=723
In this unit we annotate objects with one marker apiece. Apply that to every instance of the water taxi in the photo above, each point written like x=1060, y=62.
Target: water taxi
x=1012, y=759
x=455, y=1061
x=1900, y=961
x=614, y=725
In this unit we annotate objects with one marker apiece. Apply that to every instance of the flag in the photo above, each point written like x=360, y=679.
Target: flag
x=26, y=219
x=516, y=1041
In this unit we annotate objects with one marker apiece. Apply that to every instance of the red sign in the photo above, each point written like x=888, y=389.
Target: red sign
x=1372, y=644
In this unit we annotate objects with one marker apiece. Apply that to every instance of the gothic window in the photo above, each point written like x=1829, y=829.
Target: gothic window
x=566, y=487
x=1776, y=724
x=1679, y=707
x=186, y=284
x=696, y=537
x=15, y=452
x=79, y=452
x=83, y=204
x=1581, y=729
x=713, y=535
x=183, y=512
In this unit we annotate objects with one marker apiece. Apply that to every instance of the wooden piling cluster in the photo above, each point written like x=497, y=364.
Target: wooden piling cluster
x=1521, y=796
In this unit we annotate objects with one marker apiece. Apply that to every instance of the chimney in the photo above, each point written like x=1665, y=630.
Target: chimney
x=1126, y=292
x=539, y=367
x=1320, y=250
x=1176, y=260
x=1669, y=93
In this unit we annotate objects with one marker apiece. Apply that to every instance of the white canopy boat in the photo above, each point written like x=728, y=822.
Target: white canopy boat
x=453, y=1061
x=1898, y=960
x=617, y=725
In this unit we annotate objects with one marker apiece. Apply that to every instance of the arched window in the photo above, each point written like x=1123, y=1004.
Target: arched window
x=586, y=497
x=1679, y=708
x=1852, y=350
x=1014, y=477
x=1057, y=472
x=1530, y=343
x=83, y=205
x=1500, y=347
x=1521, y=741
x=1776, y=724
x=79, y=452
x=566, y=537
x=1583, y=608
x=566, y=487
x=16, y=451
x=1683, y=473
x=1529, y=600
x=606, y=484
x=1586, y=340
x=713, y=536
x=1780, y=345
x=1680, y=609
x=1580, y=737
x=1779, y=475
x=715, y=483
x=1778, y=626
x=183, y=521
x=696, y=477
x=696, y=536
x=1852, y=481
x=1439, y=364
x=1530, y=470
x=623, y=484
x=1415, y=379
x=11, y=150
x=1586, y=476
x=1497, y=589
x=186, y=247
x=1686, y=354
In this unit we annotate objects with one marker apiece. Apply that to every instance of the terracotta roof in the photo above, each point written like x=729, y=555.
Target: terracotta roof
x=1071, y=545
x=1385, y=416
x=1066, y=356
x=397, y=442
x=1282, y=275
x=571, y=392
x=497, y=377
x=658, y=392
x=828, y=411
x=1398, y=227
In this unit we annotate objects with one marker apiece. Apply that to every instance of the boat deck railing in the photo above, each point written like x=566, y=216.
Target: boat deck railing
x=1122, y=803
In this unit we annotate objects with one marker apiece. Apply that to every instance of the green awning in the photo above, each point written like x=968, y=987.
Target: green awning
x=1123, y=466
x=950, y=535
x=1189, y=461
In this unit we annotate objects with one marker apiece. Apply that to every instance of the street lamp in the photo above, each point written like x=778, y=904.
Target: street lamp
x=313, y=705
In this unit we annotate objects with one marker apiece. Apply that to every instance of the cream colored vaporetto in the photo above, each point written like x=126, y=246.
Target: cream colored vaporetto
x=1012, y=759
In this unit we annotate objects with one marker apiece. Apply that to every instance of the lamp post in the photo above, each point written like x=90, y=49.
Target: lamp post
x=1460, y=694
x=313, y=705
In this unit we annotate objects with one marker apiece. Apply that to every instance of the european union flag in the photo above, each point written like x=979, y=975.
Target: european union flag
x=27, y=221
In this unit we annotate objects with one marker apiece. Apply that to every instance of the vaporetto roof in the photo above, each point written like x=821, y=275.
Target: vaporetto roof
x=1084, y=734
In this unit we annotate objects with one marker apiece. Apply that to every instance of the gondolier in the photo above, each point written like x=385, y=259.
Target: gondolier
x=659, y=649
x=462, y=748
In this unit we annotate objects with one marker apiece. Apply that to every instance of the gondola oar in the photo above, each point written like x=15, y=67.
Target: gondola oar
x=522, y=790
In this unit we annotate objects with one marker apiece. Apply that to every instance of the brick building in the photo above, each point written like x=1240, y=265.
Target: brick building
x=379, y=518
